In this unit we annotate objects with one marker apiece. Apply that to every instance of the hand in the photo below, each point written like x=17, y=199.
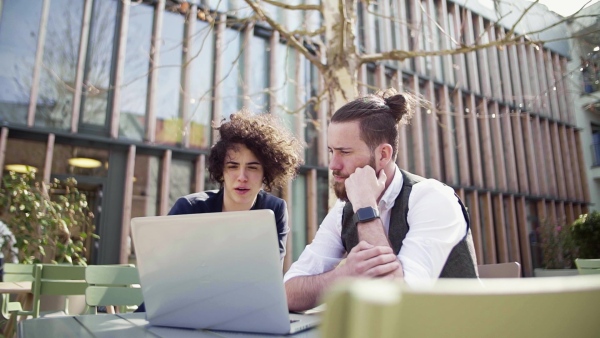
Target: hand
x=364, y=187
x=370, y=261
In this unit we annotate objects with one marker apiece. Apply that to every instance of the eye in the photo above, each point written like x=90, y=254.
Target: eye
x=253, y=167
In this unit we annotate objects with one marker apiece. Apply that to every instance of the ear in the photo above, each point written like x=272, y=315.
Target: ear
x=384, y=152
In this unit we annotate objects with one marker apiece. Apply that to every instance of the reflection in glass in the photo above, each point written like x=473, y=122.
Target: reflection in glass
x=33, y=157
x=180, y=180
x=19, y=25
x=231, y=88
x=63, y=153
x=146, y=183
x=96, y=82
x=169, y=126
x=61, y=52
x=286, y=86
x=201, y=68
x=135, y=75
x=259, y=80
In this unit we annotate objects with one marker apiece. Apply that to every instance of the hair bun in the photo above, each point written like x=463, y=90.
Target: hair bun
x=398, y=106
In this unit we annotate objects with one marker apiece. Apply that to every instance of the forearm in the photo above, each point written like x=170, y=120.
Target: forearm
x=304, y=292
x=372, y=232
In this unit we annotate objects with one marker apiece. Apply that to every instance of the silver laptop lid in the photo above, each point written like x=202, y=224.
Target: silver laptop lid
x=218, y=271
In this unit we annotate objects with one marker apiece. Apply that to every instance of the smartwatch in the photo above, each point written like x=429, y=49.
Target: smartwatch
x=365, y=214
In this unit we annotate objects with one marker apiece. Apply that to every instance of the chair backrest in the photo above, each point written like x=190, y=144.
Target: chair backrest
x=62, y=280
x=113, y=285
x=501, y=270
x=516, y=307
x=23, y=273
x=20, y=272
x=588, y=266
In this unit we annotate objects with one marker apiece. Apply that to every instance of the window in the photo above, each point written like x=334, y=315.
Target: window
x=59, y=65
x=19, y=23
x=595, y=145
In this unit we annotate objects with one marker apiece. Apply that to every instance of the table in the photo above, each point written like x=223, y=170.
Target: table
x=129, y=325
x=15, y=287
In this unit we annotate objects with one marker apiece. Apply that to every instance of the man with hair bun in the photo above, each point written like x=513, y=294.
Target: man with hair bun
x=387, y=222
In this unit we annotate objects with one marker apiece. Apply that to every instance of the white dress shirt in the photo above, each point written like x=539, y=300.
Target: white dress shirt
x=436, y=225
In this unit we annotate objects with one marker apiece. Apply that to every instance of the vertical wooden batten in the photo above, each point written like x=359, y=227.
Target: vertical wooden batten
x=218, y=73
x=127, y=206
x=37, y=66
x=311, y=205
x=199, y=174
x=79, y=72
x=524, y=237
x=165, y=184
x=186, y=73
x=48, y=158
x=153, y=70
x=119, y=68
x=3, y=142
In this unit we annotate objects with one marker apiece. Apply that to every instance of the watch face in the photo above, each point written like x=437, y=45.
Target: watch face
x=366, y=214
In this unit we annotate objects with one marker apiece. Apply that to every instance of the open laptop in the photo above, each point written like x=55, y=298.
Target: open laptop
x=215, y=271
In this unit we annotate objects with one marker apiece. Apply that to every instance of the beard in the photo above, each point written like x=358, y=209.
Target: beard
x=339, y=188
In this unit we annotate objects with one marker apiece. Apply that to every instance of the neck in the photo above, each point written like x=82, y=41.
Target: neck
x=390, y=171
x=230, y=205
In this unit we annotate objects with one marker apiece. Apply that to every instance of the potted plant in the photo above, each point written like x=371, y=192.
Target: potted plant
x=585, y=232
x=50, y=222
x=558, y=250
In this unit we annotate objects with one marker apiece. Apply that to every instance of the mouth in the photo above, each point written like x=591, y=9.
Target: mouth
x=338, y=178
x=241, y=190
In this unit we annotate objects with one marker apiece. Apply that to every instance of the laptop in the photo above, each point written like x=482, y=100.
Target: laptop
x=215, y=271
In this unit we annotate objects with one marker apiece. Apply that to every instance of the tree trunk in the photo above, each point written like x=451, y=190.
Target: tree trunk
x=342, y=60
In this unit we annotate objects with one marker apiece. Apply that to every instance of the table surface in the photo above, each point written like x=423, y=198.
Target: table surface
x=130, y=325
x=15, y=287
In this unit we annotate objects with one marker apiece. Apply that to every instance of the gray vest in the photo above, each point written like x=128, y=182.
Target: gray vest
x=461, y=262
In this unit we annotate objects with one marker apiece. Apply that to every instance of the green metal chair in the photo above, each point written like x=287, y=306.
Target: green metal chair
x=588, y=266
x=61, y=280
x=11, y=309
x=113, y=285
x=508, y=307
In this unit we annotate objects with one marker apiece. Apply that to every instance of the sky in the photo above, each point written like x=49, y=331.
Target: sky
x=565, y=7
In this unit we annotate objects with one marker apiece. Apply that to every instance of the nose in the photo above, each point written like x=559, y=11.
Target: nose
x=334, y=162
x=242, y=177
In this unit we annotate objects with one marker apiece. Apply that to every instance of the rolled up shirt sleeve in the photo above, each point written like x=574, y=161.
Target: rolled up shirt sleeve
x=326, y=249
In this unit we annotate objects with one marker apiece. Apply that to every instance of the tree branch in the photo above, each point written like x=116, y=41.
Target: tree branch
x=279, y=4
x=511, y=32
x=287, y=35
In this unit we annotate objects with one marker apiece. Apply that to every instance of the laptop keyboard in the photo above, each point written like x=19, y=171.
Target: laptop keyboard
x=294, y=320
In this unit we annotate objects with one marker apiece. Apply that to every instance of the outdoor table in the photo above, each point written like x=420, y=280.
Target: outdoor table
x=129, y=325
x=15, y=287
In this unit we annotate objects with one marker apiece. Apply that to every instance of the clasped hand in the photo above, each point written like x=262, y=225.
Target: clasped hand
x=371, y=261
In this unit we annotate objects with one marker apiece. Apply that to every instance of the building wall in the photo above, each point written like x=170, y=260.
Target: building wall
x=137, y=85
x=584, y=83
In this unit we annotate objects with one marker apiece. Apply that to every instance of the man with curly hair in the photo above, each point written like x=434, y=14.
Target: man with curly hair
x=254, y=152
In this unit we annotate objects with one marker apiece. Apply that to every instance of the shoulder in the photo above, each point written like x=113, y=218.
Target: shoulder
x=430, y=195
x=269, y=201
x=205, y=201
x=430, y=187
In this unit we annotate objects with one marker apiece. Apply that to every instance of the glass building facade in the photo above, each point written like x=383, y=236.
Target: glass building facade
x=137, y=84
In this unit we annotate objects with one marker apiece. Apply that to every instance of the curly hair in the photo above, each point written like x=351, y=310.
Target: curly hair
x=264, y=135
